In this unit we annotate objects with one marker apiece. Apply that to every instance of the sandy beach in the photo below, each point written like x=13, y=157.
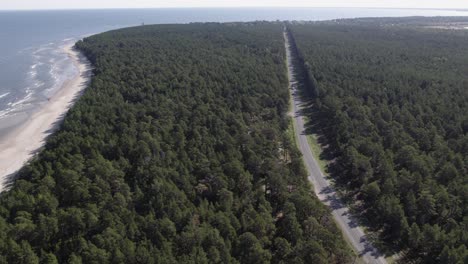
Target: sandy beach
x=20, y=145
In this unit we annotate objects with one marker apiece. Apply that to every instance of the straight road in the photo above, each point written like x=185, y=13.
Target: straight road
x=322, y=187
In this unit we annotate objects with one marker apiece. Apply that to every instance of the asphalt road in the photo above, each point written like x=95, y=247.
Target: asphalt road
x=322, y=186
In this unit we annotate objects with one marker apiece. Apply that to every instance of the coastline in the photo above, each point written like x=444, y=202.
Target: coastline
x=20, y=144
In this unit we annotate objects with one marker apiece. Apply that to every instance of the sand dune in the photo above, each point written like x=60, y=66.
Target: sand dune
x=19, y=146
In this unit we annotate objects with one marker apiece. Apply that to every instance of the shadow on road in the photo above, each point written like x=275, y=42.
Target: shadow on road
x=317, y=123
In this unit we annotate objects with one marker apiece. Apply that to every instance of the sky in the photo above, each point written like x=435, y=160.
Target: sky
x=90, y=4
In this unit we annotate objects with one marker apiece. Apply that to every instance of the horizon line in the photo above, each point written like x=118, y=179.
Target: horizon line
x=462, y=9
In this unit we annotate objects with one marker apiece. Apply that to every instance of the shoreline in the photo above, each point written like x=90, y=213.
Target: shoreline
x=22, y=143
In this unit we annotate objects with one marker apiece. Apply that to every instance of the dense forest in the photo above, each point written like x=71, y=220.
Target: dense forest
x=391, y=101
x=177, y=153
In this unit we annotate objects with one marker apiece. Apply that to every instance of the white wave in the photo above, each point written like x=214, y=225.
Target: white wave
x=53, y=72
x=5, y=112
x=37, y=84
x=40, y=49
x=5, y=94
x=22, y=101
x=57, y=66
x=35, y=65
x=15, y=106
x=32, y=73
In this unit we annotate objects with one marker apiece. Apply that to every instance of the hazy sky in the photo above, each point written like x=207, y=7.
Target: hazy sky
x=66, y=4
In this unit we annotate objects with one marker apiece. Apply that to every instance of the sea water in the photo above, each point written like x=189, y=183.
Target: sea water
x=33, y=65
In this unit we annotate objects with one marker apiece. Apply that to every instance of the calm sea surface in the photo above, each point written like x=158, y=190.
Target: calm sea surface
x=33, y=65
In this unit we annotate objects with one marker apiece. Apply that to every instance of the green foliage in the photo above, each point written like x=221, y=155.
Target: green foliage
x=391, y=98
x=174, y=154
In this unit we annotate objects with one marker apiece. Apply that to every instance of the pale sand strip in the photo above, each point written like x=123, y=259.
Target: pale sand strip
x=24, y=141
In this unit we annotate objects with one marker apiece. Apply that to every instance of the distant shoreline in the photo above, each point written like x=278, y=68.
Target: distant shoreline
x=23, y=141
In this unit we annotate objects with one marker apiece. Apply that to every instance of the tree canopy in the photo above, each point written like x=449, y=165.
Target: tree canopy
x=390, y=97
x=176, y=153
